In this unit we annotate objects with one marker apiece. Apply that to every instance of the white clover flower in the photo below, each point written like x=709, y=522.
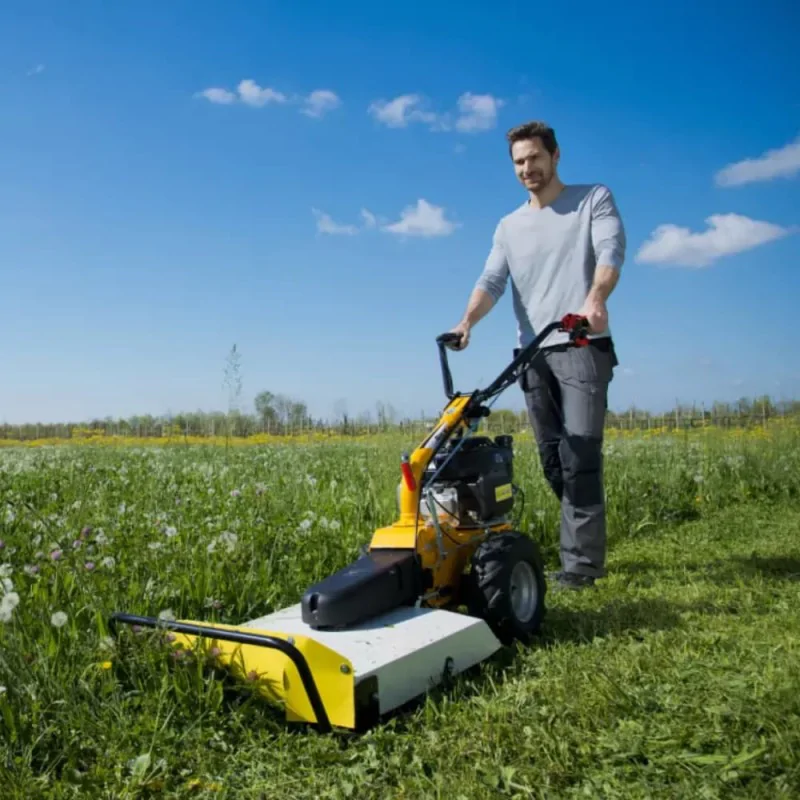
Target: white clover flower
x=108, y=562
x=167, y=615
x=170, y=531
x=6, y=570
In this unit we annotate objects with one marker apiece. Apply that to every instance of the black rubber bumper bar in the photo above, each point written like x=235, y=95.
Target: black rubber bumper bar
x=257, y=639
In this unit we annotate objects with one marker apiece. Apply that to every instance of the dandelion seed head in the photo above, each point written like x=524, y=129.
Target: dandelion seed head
x=58, y=619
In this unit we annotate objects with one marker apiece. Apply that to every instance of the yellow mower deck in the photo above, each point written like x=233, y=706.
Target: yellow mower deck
x=347, y=678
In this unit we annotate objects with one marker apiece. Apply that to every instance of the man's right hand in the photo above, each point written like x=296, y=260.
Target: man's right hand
x=463, y=329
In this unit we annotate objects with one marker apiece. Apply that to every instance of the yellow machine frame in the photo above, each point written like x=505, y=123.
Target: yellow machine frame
x=445, y=556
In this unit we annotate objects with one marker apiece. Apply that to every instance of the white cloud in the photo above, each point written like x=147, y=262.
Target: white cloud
x=475, y=112
x=254, y=95
x=783, y=162
x=478, y=112
x=216, y=95
x=37, y=70
x=402, y=111
x=316, y=104
x=321, y=101
x=726, y=235
x=423, y=219
x=325, y=224
x=370, y=220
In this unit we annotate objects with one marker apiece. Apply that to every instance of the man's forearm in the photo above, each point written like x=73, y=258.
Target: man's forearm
x=479, y=305
x=605, y=279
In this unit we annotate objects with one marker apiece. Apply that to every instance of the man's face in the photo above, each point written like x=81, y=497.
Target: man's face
x=533, y=165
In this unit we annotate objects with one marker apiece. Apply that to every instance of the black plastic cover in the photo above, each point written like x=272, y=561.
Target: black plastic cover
x=373, y=584
x=477, y=455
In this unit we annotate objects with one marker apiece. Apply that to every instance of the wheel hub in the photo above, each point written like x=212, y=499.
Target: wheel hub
x=522, y=590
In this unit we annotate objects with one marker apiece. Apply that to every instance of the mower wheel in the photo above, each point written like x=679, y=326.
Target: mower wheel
x=506, y=585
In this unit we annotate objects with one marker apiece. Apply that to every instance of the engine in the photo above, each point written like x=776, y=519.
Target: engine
x=475, y=485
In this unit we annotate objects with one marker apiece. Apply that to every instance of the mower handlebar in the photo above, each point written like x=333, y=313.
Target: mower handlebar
x=577, y=326
x=448, y=338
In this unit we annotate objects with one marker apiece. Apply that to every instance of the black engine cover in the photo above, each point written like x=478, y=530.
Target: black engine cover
x=373, y=584
x=482, y=470
x=476, y=456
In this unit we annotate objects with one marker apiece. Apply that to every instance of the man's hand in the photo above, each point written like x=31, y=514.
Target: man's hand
x=462, y=328
x=594, y=309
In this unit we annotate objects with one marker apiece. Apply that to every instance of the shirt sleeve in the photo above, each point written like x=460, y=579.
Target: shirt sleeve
x=494, y=278
x=608, y=232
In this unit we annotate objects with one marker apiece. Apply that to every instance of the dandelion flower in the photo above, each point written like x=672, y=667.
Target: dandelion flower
x=8, y=602
x=58, y=619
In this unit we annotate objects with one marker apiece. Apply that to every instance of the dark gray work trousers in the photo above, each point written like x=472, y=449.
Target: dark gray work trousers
x=566, y=394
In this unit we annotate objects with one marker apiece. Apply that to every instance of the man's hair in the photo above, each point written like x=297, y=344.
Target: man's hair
x=529, y=130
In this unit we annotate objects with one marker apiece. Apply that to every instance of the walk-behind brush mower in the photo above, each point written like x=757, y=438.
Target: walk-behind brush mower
x=383, y=630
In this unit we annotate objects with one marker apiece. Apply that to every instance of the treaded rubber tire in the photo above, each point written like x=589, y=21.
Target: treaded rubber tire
x=489, y=584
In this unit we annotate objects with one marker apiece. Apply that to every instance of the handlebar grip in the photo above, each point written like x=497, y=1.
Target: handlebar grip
x=578, y=328
x=449, y=338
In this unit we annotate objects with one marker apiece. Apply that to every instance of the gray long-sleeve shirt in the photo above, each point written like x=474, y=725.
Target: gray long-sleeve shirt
x=550, y=255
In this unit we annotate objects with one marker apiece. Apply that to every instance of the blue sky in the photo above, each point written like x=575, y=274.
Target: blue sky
x=145, y=226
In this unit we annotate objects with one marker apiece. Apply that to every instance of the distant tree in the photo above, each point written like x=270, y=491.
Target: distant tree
x=265, y=409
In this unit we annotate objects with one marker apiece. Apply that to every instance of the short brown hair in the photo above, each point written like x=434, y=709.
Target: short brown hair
x=530, y=130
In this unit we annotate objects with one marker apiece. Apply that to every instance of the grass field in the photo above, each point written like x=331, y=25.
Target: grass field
x=677, y=677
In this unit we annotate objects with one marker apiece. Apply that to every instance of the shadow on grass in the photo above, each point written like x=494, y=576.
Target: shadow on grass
x=616, y=618
x=632, y=618
x=725, y=570
x=772, y=567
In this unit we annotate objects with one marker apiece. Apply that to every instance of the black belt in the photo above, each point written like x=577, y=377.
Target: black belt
x=604, y=344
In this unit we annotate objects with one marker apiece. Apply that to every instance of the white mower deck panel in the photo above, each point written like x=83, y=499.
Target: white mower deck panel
x=408, y=649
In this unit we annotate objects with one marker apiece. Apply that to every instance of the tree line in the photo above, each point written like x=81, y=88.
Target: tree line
x=279, y=414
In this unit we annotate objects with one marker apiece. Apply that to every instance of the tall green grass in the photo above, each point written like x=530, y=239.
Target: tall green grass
x=674, y=679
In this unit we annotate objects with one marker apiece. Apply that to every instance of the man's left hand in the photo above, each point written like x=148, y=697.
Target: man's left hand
x=594, y=309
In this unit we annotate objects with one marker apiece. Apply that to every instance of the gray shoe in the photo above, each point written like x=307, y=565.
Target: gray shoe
x=571, y=580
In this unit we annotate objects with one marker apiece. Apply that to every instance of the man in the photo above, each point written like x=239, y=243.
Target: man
x=563, y=250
